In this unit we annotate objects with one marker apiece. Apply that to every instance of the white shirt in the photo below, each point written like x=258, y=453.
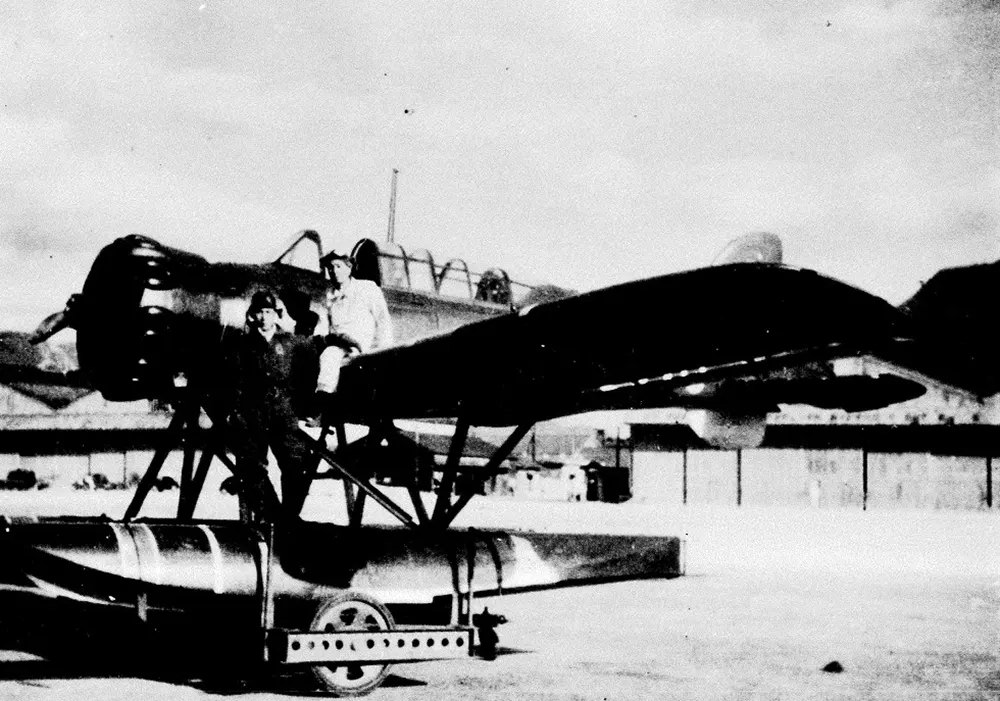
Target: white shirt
x=358, y=310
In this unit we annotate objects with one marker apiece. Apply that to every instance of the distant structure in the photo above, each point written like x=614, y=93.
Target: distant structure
x=63, y=441
x=64, y=433
x=934, y=452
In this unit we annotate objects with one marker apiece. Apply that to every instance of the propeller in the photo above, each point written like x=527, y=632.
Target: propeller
x=54, y=323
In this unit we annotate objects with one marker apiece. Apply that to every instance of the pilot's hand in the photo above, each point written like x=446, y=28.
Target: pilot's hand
x=285, y=321
x=348, y=344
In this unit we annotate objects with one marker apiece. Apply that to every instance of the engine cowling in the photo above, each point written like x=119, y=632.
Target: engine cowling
x=143, y=318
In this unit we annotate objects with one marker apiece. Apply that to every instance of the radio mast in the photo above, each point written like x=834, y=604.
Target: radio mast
x=391, y=233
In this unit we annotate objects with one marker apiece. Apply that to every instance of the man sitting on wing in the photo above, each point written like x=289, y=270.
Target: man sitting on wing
x=358, y=315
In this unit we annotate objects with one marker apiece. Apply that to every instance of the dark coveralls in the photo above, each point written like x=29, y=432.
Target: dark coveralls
x=274, y=383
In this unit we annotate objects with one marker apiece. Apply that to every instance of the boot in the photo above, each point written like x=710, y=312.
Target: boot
x=326, y=403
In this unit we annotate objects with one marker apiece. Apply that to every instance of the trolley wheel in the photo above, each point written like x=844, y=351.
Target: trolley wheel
x=351, y=611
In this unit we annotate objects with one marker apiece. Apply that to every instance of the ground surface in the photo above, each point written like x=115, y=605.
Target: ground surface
x=907, y=602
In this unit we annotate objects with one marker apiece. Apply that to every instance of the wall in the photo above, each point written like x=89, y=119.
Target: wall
x=814, y=478
x=711, y=477
x=926, y=481
x=774, y=477
x=658, y=477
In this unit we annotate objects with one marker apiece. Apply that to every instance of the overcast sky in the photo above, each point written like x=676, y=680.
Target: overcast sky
x=579, y=143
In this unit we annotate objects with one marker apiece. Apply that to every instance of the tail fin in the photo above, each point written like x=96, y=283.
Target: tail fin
x=755, y=247
x=954, y=315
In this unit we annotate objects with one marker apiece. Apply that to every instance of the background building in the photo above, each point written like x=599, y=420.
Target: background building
x=934, y=452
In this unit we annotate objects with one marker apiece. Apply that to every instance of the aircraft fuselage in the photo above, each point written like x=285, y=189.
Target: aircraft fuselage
x=150, y=317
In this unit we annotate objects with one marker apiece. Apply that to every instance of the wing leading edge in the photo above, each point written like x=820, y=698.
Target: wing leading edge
x=643, y=344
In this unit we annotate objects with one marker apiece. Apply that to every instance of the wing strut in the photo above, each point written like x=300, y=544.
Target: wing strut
x=184, y=431
x=354, y=473
x=174, y=432
x=498, y=457
x=189, y=441
x=355, y=481
x=215, y=449
x=443, y=503
x=387, y=433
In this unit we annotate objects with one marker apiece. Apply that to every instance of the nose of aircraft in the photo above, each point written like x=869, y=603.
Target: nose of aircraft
x=120, y=334
x=144, y=312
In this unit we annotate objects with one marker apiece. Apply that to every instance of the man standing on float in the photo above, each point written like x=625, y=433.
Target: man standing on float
x=270, y=373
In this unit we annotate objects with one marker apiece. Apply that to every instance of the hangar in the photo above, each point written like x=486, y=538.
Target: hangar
x=934, y=452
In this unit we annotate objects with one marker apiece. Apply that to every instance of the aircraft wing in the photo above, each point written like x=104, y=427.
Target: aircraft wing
x=42, y=373
x=12, y=373
x=750, y=335
x=56, y=389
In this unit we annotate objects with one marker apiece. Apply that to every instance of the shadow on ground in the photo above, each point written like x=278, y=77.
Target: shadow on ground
x=222, y=679
x=222, y=682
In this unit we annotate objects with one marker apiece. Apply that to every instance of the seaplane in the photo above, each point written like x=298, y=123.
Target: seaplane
x=729, y=343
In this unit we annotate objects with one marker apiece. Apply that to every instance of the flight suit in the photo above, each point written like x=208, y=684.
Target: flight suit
x=272, y=385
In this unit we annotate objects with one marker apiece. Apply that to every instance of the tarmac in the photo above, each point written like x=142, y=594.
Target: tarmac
x=777, y=603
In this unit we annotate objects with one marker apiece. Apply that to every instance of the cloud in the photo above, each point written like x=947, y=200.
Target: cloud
x=543, y=137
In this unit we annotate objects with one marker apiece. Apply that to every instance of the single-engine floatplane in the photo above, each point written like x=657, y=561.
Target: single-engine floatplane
x=728, y=342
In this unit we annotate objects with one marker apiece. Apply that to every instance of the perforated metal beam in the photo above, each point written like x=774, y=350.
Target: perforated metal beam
x=363, y=647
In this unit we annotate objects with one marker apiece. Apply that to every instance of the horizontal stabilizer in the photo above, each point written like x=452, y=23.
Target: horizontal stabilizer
x=953, y=317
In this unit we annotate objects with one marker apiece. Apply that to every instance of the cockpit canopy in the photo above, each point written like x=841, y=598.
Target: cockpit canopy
x=391, y=265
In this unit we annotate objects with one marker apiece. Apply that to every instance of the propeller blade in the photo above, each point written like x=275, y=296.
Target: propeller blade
x=54, y=323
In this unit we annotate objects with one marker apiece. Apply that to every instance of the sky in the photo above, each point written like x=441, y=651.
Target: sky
x=582, y=144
